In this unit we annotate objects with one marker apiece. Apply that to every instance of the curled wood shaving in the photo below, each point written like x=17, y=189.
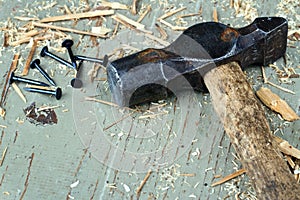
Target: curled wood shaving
x=229, y=177
x=96, y=13
x=275, y=103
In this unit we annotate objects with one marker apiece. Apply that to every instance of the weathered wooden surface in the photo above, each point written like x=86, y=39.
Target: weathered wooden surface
x=43, y=162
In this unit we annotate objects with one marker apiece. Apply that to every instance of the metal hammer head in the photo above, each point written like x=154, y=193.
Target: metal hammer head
x=153, y=74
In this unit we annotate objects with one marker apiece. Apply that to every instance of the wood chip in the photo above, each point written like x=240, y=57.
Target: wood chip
x=19, y=92
x=43, y=25
x=215, y=15
x=229, y=177
x=275, y=103
x=114, y=5
x=138, y=191
x=286, y=148
x=29, y=58
x=96, y=13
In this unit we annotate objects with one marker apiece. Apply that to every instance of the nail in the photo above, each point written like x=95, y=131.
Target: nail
x=57, y=93
x=36, y=64
x=45, y=52
x=68, y=44
x=14, y=78
x=76, y=82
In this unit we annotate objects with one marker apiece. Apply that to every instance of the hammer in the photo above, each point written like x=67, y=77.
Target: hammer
x=211, y=57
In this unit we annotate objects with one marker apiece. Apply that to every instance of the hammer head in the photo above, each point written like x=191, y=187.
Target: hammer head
x=153, y=74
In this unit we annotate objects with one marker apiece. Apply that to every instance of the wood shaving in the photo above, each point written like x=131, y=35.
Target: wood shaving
x=174, y=28
x=138, y=191
x=42, y=25
x=229, y=177
x=29, y=58
x=286, y=148
x=163, y=33
x=134, y=7
x=96, y=13
x=114, y=5
x=171, y=13
x=130, y=23
x=143, y=15
x=19, y=92
x=215, y=15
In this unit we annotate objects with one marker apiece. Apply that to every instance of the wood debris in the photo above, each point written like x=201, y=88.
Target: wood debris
x=12, y=68
x=130, y=23
x=29, y=58
x=43, y=25
x=275, y=103
x=19, y=92
x=229, y=177
x=138, y=191
x=286, y=148
x=101, y=101
x=21, y=18
x=134, y=7
x=163, y=33
x=174, y=28
x=96, y=13
x=171, y=13
x=215, y=15
x=143, y=15
x=114, y=5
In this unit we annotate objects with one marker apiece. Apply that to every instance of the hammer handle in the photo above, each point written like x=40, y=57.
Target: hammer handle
x=247, y=127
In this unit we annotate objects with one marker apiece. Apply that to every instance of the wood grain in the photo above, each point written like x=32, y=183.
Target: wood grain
x=247, y=127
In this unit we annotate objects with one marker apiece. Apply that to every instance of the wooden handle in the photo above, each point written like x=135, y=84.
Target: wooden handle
x=245, y=123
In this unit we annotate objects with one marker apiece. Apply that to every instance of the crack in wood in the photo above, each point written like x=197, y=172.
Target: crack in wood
x=27, y=178
x=3, y=175
x=95, y=189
